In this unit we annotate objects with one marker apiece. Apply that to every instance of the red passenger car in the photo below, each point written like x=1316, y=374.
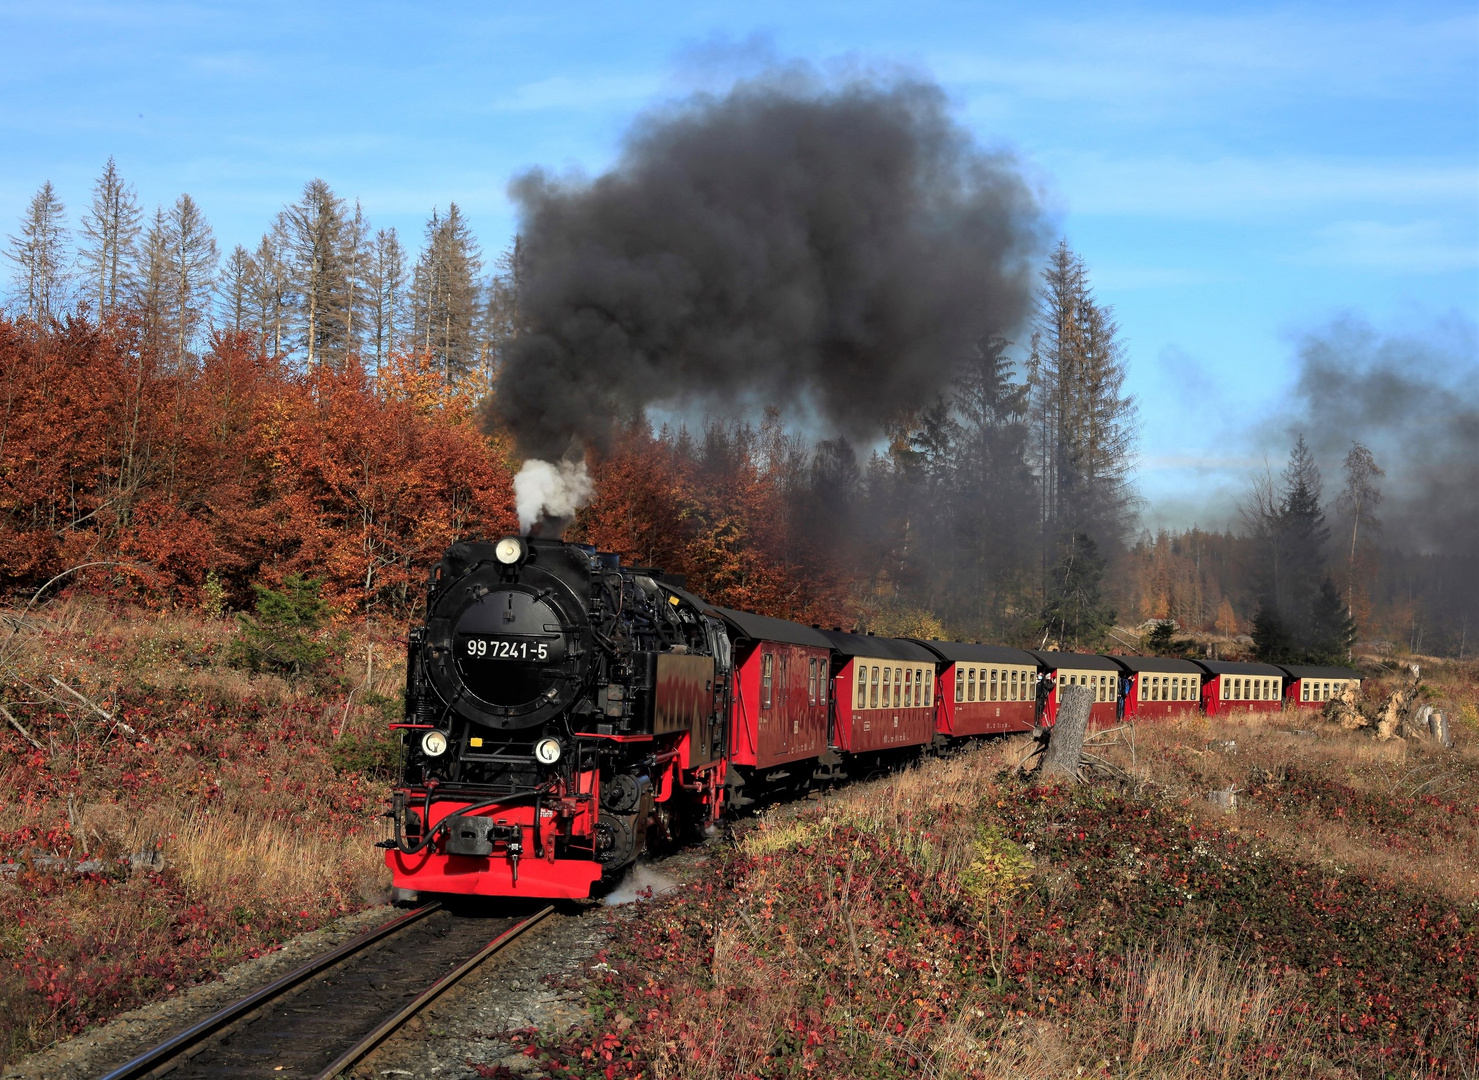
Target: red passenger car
x=1310, y=687
x=780, y=703
x=885, y=693
x=983, y=689
x=1062, y=669
x=1158, y=686
x=1235, y=686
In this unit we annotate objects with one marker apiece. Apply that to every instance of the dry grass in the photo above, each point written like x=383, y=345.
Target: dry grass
x=267, y=865
x=242, y=786
x=1180, y=756
x=1178, y=995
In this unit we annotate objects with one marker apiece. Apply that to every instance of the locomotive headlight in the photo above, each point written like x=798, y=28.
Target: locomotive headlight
x=509, y=550
x=547, y=751
x=434, y=743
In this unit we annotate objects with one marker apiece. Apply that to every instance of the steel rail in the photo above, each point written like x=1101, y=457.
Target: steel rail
x=193, y=1039
x=366, y=1046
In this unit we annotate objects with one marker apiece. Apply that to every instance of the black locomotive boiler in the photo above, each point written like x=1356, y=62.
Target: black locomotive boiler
x=559, y=705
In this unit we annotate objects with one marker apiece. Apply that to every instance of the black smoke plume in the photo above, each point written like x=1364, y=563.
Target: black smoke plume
x=831, y=249
x=1414, y=400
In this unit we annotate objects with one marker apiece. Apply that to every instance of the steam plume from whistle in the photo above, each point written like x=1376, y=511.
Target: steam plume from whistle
x=544, y=489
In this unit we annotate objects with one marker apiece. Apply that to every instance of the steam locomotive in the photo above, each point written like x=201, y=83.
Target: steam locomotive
x=564, y=711
x=558, y=707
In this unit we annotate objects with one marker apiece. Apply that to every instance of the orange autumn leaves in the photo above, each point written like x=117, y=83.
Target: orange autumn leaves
x=237, y=465
x=240, y=466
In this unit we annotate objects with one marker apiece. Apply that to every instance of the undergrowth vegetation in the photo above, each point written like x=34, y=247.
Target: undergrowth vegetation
x=956, y=921
x=165, y=812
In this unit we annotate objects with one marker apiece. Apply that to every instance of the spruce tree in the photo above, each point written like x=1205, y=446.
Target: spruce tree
x=445, y=295
x=385, y=291
x=1332, y=630
x=237, y=288
x=1076, y=612
x=318, y=245
x=111, y=231
x=190, y=265
x=1083, y=423
x=39, y=254
x=1270, y=638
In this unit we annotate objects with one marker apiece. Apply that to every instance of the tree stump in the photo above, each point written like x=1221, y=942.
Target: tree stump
x=1066, y=743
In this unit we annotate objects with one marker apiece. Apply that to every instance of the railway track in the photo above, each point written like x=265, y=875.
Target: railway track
x=324, y=1018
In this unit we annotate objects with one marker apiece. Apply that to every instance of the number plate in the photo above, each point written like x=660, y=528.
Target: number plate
x=524, y=650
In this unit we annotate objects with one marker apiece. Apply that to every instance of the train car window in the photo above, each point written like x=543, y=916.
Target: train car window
x=1304, y=690
x=918, y=687
x=873, y=691
x=822, y=682
x=898, y=685
x=970, y=685
x=908, y=687
x=1019, y=689
x=888, y=683
x=959, y=684
x=767, y=676
x=929, y=691
x=862, y=698
x=811, y=681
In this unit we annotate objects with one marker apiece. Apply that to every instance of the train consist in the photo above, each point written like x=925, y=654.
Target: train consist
x=562, y=710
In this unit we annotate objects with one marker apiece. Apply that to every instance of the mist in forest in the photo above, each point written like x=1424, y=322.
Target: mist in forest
x=1413, y=398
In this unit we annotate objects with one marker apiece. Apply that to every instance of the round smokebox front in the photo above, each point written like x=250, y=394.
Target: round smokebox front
x=510, y=650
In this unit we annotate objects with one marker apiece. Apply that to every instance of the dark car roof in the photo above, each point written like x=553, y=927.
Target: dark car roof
x=1312, y=671
x=1080, y=661
x=1237, y=667
x=966, y=652
x=1156, y=663
x=885, y=648
x=764, y=628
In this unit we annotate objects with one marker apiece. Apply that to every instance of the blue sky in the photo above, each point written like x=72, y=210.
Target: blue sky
x=1235, y=176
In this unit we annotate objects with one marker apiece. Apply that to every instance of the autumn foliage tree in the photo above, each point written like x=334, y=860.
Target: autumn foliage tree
x=238, y=464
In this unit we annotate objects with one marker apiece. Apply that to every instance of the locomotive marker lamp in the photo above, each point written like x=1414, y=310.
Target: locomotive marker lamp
x=434, y=743
x=509, y=551
x=547, y=751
